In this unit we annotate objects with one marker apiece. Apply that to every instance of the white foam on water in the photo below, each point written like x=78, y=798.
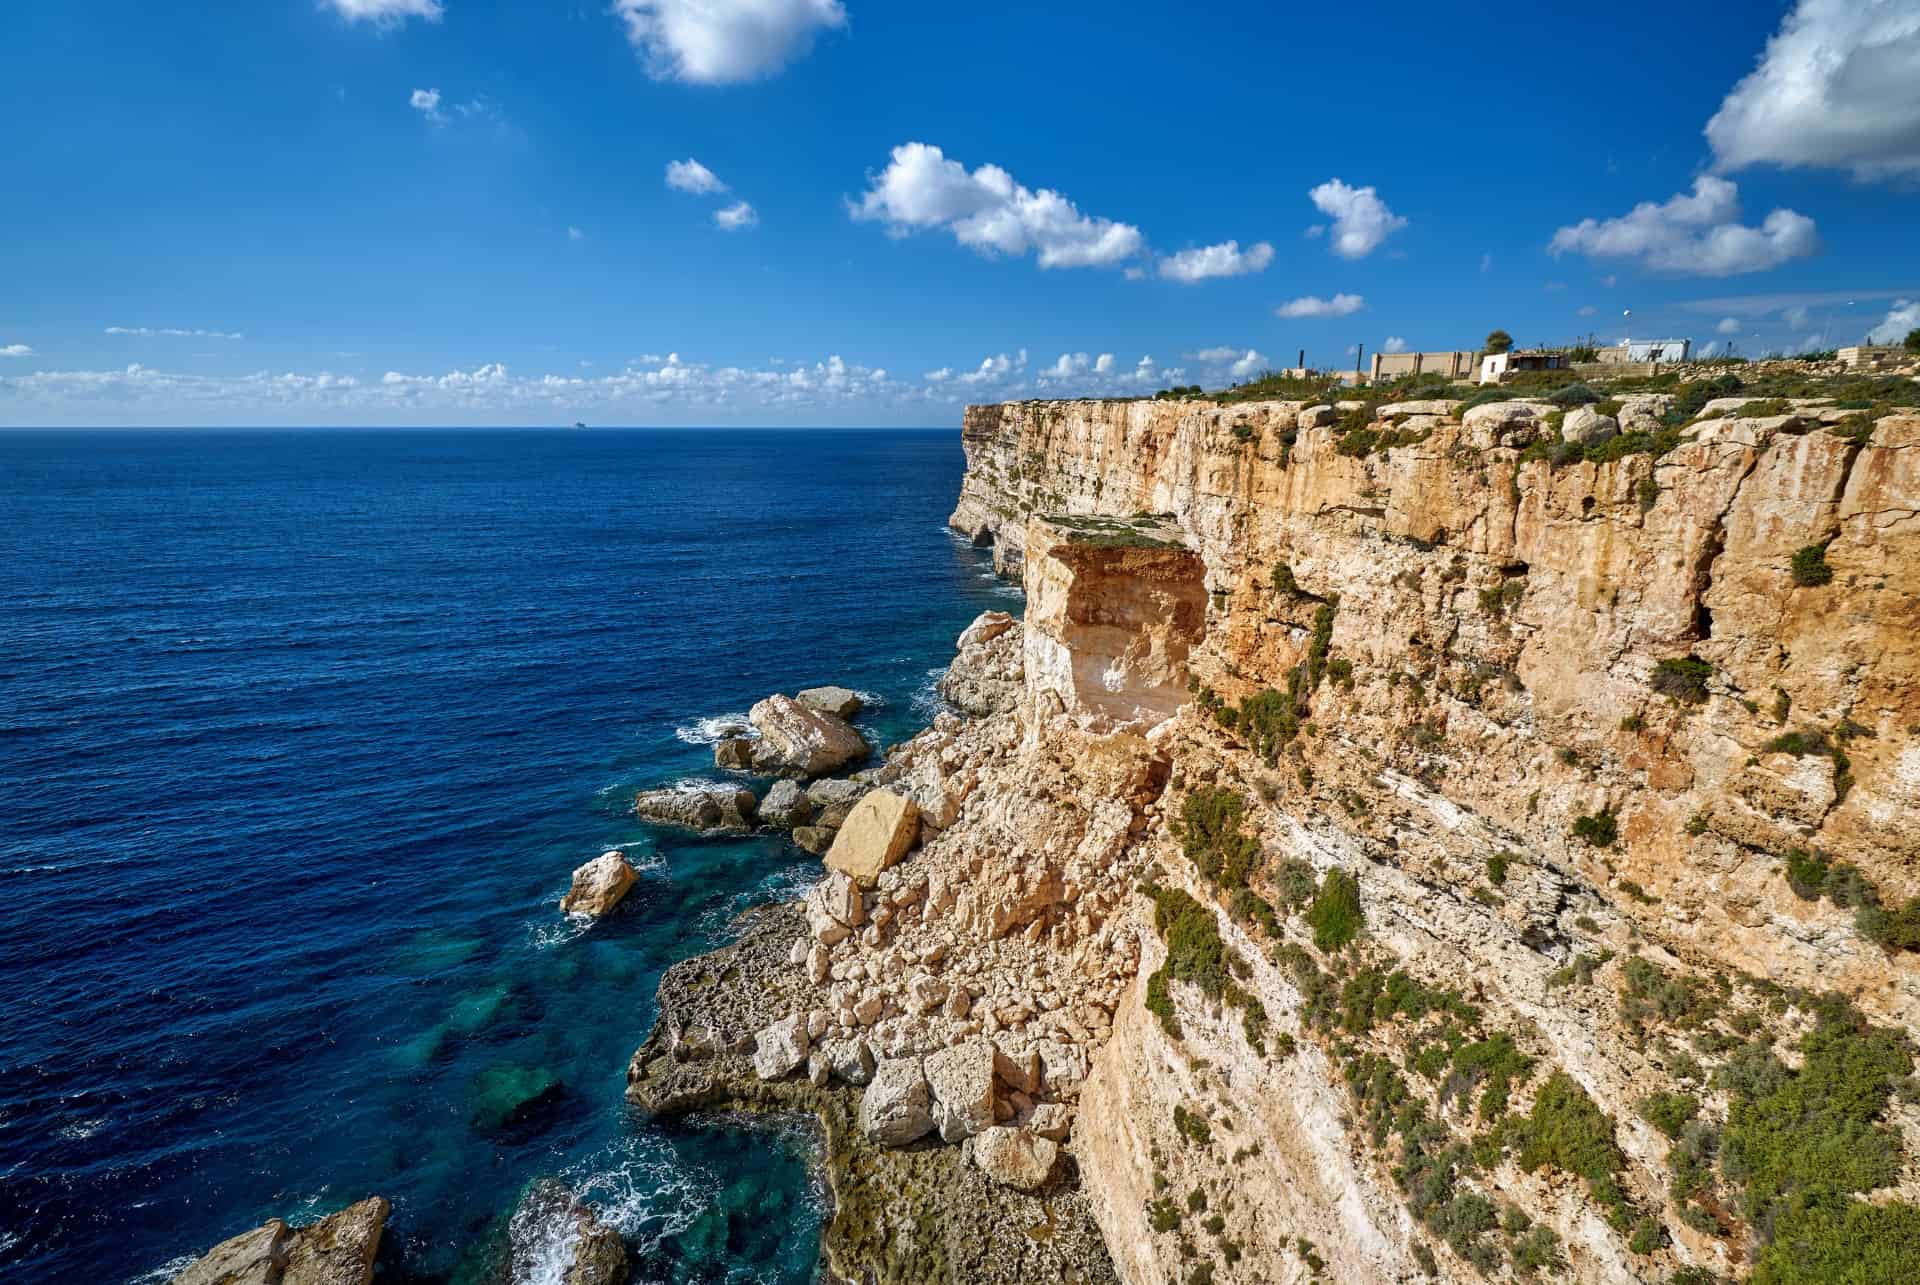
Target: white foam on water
x=870, y=700
x=153, y=1276
x=544, y=1247
x=711, y=731
x=927, y=701
x=82, y=1129
x=640, y=1187
x=545, y=934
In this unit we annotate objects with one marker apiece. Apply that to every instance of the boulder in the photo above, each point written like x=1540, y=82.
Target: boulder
x=988, y=672
x=1315, y=417
x=781, y=1048
x=801, y=742
x=850, y=1060
x=836, y=792
x=1015, y=1157
x=896, y=1107
x=1051, y=1120
x=1645, y=412
x=877, y=833
x=1504, y=423
x=1588, y=426
x=734, y=754
x=717, y=807
x=599, y=885
x=961, y=1081
x=841, y=702
x=552, y=1226
x=986, y=627
x=786, y=806
x=340, y=1248
x=254, y=1257
x=815, y=839
x=1019, y=1071
x=1437, y=407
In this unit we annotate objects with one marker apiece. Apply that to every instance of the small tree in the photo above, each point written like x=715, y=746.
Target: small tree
x=1499, y=341
x=1912, y=342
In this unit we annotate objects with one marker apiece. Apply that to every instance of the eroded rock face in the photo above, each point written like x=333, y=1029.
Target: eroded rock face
x=786, y=806
x=256, y=1257
x=598, y=885
x=840, y=702
x=801, y=742
x=704, y=808
x=1016, y=1157
x=896, y=1107
x=340, y=1248
x=1112, y=615
x=877, y=833
x=987, y=674
x=961, y=1079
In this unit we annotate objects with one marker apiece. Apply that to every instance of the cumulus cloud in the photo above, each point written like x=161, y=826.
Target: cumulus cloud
x=170, y=332
x=1214, y=356
x=1834, y=89
x=1796, y=316
x=1250, y=363
x=1394, y=344
x=724, y=42
x=490, y=392
x=1341, y=305
x=1073, y=364
x=1361, y=220
x=1224, y=260
x=1728, y=326
x=1695, y=234
x=987, y=211
x=16, y=350
x=426, y=102
x=691, y=176
x=386, y=12
x=1901, y=319
x=736, y=216
x=995, y=369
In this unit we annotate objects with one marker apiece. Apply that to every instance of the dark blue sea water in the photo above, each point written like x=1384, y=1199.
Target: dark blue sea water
x=301, y=734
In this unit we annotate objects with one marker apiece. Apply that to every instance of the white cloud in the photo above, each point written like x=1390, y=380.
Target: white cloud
x=725, y=42
x=994, y=369
x=169, y=332
x=1341, y=305
x=1074, y=364
x=1796, y=316
x=1394, y=344
x=1250, y=364
x=736, y=216
x=575, y=234
x=1586, y=310
x=1834, y=89
x=1902, y=318
x=1223, y=260
x=939, y=376
x=989, y=212
x=1361, y=220
x=691, y=176
x=1728, y=326
x=1697, y=235
x=426, y=102
x=386, y=12
x=1214, y=356
x=16, y=350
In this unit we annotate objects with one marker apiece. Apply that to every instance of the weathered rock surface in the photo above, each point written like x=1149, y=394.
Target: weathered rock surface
x=840, y=702
x=877, y=833
x=599, y=885
x=986, y=676
x=256, y=1257
x=336, y=1250
x=781, y=1048
x=961, y=1079
x=1016, y=1157
x=705, y=808
x=786, y=806
x=555, y=1239
x=896, y=1107
x=801, y=742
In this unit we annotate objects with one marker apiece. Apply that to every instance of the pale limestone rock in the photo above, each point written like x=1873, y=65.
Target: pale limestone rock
x=850, y=1060
x=254, y=1257
x=986, y=673
x=1014, y=1157
x=815, y=839
x=1052, y=1121
x=699, y=808
x=1440, y=407
x=1588, y=426
x=818, y=962
x=1018, y=1070
x=1315, y=417
x=735, y=754
x=961, y=1080
x=878, y=832
x=797, y=741
x=786, y=806
x=781, y=1048
x=841, y=702
x=896, y=1107
x=551, y=1226
x=925, y=994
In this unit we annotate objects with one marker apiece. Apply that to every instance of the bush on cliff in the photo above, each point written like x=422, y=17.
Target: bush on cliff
x=1684, y=678
x=1335, y=913
x=1213, y=838
x=1809, y=566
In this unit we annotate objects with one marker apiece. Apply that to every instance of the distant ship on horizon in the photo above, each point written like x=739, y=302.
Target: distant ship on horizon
x=578, y=424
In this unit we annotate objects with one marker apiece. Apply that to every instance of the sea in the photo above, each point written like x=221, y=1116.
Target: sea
x=301, y=736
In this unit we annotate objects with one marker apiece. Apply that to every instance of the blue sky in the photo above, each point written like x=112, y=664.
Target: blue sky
x=459, y=211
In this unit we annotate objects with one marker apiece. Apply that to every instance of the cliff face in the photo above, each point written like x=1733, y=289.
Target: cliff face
x=1562, y=725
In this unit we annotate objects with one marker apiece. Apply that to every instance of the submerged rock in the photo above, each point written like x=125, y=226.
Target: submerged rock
x=556, y=1239
x=802, y=742
x=841, y=702
x=504, y=1096
x=877, y=833
x=599, y=885
x=703, y=808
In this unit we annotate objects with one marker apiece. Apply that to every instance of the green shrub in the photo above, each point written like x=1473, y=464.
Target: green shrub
x=1809, y=566
x=1335, y=913
x=1213, y=838
x=1566, y=1130
x=1192, y=1126
x=1684, y=678
x=1573, y=395
x=1495, y=1062
x=1599, y=828
x=1850, y=1243
x=1497, y=868
x=1807, y=874
x=1283, y=581
x=1160, y=1002
x=1669, y=1112
x=1537, y=1251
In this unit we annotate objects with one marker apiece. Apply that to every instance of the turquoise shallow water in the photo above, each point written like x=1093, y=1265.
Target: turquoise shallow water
x=301, y=734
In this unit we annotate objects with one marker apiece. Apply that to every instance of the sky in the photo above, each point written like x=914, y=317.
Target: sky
x=850, y=212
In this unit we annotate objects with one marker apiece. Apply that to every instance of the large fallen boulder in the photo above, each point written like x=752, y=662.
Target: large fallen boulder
x=961, y=1080
x=801, y=742
x=786, y=806
x=337, y=1250
x=599, y=885
x=878, y=832
x=1015, y=1157
x=841, y=702
x=781, y=1049
x=896, y=1107
x=259, y=1255
x=987, y=674
x=704, y=808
